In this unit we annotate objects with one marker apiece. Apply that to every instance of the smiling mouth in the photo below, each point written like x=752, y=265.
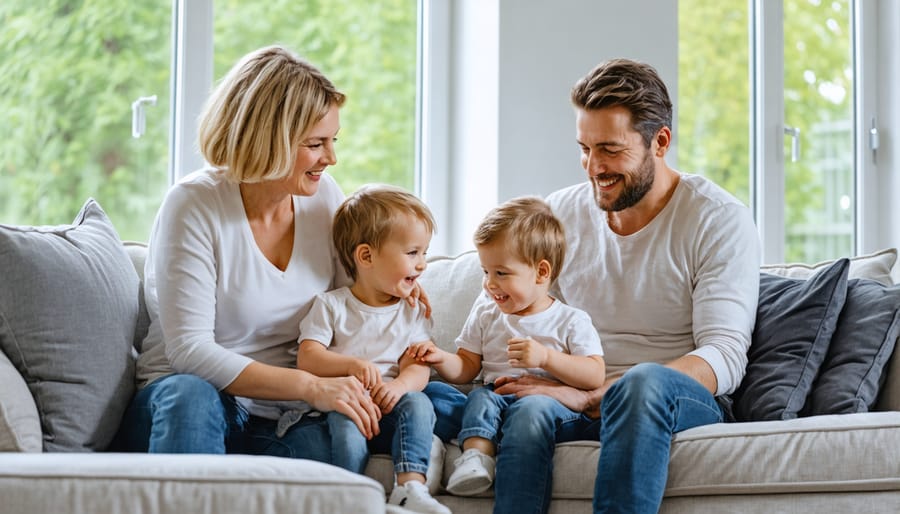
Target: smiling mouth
x=606, y=182
x=500, y=297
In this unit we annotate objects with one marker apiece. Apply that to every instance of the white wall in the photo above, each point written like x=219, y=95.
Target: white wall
x=513, y=64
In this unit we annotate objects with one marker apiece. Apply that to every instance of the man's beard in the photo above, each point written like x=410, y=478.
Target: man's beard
x=633, y=193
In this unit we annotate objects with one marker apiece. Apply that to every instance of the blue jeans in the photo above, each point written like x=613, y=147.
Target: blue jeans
x=405, y=434
x=186, y=414
x=641, y=412
x=525, y=429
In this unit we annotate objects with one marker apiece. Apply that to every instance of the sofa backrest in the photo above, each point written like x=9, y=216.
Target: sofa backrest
x=453, y=284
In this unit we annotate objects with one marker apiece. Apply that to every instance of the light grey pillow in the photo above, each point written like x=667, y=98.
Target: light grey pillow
x=69, y=301
x=874, y=266
x=20, y=427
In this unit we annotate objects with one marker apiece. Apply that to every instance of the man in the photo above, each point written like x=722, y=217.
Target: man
x=667, y=265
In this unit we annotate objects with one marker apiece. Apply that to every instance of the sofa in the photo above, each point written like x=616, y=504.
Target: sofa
x=71, y=316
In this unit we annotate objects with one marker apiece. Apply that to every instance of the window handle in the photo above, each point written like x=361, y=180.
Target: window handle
x=794, y=132
x=138, y=120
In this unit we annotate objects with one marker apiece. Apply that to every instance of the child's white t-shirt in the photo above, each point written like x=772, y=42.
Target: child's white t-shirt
x=380, y=335
x=560, y=327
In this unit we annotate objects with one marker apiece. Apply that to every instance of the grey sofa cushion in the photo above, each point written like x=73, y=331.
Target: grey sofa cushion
x=853, y=371
x=794, y=324
x=68, y=308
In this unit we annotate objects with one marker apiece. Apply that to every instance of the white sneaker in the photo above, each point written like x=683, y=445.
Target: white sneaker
x=414, y=496
x=473, y=473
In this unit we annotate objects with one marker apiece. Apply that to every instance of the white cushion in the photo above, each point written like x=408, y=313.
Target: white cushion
x=20, y=426
x=875, y=266
x=452, y=285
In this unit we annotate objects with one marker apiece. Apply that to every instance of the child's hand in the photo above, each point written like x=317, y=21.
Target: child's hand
x=426, y=353
x=387, y=394
x=526, y=353
x=366, y=372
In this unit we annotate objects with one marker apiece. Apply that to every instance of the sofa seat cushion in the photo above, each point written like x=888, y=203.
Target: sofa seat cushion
x=176, y=484
x=848, y=452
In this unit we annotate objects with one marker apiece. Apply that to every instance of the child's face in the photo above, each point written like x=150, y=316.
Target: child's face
x=401, y=259
x=515, y=286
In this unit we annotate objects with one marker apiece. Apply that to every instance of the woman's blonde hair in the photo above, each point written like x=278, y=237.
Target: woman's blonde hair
x=531, y=230
x=259, y=113
x=370, y=215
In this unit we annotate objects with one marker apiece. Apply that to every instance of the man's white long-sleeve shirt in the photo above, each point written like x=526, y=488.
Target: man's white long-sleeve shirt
x=687, y=283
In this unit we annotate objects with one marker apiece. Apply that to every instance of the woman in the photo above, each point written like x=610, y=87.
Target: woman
x=237, y=253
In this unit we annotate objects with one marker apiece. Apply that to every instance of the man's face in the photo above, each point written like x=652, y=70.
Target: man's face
x=621, y=169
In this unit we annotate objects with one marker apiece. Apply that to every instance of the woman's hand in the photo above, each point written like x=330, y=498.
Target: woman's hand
x=418, y=295
x=347, y=396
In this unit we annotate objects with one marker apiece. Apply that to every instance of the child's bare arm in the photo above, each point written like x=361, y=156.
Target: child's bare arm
x=315, y=358
x=581, y=371
x=458, y=368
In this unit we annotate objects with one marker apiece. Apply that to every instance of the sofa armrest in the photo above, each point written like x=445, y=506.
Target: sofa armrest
x=68, y=483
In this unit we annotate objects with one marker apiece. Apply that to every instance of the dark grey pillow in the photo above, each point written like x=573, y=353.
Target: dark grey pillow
x=861, y=347
x=68, y=308
x=794, y=324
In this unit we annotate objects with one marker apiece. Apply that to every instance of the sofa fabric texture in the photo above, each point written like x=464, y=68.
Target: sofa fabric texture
x=69, y=305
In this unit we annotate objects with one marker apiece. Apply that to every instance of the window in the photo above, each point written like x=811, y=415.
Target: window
x=802, y=52
x=368, y=49
x=69, y=72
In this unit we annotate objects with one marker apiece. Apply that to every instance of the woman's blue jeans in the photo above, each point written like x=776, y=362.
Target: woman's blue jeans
x=186, y=414
x=640, y=414
x=405, y=434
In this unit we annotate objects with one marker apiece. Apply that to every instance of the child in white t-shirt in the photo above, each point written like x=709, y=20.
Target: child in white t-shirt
x=515, y=327
x=381, y=234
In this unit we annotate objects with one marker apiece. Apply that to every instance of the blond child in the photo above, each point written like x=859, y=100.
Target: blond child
x=381, y=234
x=514, y=327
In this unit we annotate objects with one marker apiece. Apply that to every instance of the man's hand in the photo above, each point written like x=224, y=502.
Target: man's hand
x=526, y=353
x=577, y=400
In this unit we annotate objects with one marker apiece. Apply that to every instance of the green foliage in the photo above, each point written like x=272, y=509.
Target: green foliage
x=714, y=112
x=368, y=49
x=69, y=71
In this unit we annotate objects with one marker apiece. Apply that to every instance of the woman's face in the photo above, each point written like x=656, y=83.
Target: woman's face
x=316, y=152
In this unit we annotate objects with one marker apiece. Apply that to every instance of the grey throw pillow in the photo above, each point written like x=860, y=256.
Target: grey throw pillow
x=68, y=309
x=860, y=349
x=794, y=324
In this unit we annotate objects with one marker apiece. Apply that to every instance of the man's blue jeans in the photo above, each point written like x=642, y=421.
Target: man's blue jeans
x=640, y=413
x=186, y=414
x=405, y=434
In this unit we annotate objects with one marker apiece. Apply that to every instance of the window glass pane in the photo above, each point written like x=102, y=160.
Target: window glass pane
x=713, y=126
x=368, y=49
x=818, y=82
x=69, y=72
